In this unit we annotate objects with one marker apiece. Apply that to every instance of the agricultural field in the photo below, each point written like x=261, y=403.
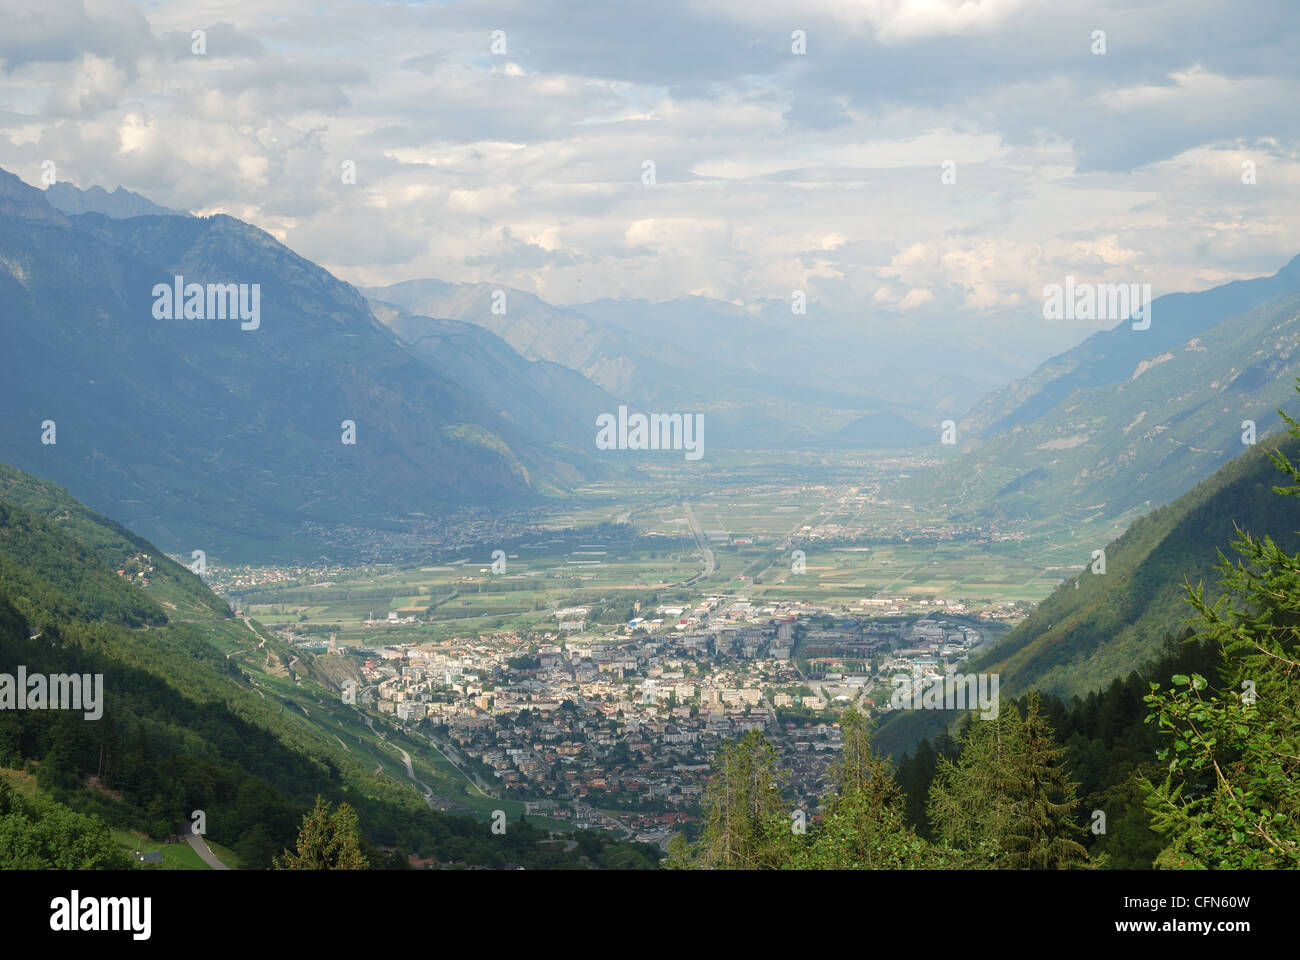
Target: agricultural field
x=853, y=542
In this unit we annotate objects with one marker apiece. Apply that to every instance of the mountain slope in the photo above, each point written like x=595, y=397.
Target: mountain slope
x=206, y=435
x=1109, y=357
x=1117, y=448
x=541, y=397
x=181, y=726
x=1096, y=627
x=640, y=371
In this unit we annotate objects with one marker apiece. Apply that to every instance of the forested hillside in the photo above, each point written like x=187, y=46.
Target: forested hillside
x=184, y=726
x=1095, y=627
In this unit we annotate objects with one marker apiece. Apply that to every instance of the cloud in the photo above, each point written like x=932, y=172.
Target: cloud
x=775, y=171
x=63, y=31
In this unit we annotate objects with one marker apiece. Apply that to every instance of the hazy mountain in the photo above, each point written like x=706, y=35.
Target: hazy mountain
x=541, y=397
x=749, y=370
x=882, y=430
x=1132, y=418
x=640, y=371
x=1096, y=627
x=1109, y=357
x=206, y=435
x=120, y=204
x=895, y=363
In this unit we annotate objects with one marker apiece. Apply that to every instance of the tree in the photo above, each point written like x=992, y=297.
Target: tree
x=745, y=822
x=863, y=825
x=40, y=834
x=915, y=773
x=1008, y=798
x=327, y=841
x=970, y=802
x=1231, y=795
x=1043, y=834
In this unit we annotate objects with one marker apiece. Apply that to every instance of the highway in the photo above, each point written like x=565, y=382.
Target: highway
x=702, y=542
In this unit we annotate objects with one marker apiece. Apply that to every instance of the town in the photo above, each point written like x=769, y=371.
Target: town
x=618, y=728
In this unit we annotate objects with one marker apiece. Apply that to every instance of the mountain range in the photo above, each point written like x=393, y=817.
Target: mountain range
x=763, y=376
x=203, y=434
x=1129, y=419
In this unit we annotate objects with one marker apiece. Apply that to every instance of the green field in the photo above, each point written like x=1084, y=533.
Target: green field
x=857, y=545
x=176, y=856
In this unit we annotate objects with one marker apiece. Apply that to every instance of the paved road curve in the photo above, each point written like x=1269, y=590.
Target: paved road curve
x=200, y=846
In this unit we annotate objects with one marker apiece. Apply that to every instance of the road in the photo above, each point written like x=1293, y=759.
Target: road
x=453, y=758
x=702, y=542
x=410, y=772
x=200, y=846
x=568, y=844
x=406, y=757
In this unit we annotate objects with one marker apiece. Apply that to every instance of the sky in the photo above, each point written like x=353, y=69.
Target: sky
x=520, y=156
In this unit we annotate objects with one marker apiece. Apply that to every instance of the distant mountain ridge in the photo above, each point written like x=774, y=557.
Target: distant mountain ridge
x=121, y=204
x=540, y=397
x=1109, y=357
x=748, y=371
x=639, y=370
x=1130, y=419
x=205, y=435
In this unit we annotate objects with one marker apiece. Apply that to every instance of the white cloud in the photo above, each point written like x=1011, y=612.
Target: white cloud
x=774, y=171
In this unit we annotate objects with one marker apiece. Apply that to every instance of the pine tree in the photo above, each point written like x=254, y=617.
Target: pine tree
x=915, y=774
x=327, y=841
x=971, y=797
x=1041, y=834
x=1008, y=799
x=863, y=825
x=745, y=822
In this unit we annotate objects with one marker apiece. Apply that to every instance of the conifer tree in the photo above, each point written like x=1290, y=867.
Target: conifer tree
x=863, y=825
x=1008, y=799
x=971, y=797
x=1231, y=796
x=327, y=841
x=1041, y=833
x=914, y=776
x=745, y=822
